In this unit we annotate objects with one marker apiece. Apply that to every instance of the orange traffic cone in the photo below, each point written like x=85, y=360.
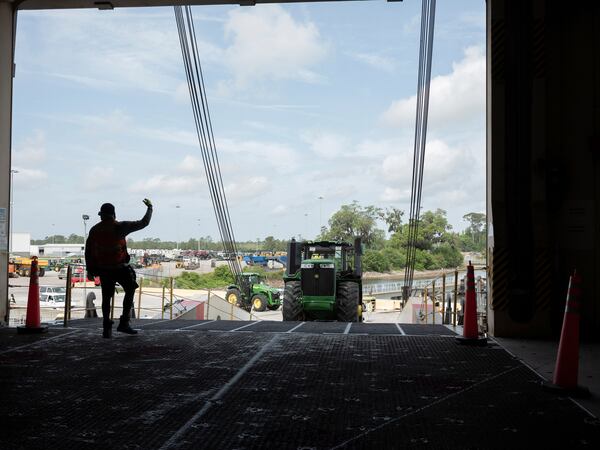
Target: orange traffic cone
x=32, y=322
x=470, y=329
x=567, y=360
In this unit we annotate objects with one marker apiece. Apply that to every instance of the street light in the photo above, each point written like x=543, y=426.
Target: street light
x=320, y=212
x=177, y=243
x=199, y=236
x=85, y=218
x=11, y=232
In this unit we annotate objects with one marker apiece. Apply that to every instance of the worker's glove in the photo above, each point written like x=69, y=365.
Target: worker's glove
x=147, y=202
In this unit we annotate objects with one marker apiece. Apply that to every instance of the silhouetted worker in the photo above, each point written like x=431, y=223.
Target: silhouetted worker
x=106, y=256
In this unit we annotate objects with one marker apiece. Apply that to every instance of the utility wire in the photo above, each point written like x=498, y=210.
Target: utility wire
x=204, y=131
x=423, y=84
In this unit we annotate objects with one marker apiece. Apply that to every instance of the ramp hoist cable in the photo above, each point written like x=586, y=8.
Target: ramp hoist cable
x=424, y=78
x=204, y=131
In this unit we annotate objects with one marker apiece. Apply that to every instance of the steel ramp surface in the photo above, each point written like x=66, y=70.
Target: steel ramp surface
x=205, y=388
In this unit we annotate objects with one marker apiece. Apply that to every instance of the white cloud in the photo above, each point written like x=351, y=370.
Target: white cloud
x=327, y=145
x=98, y=178
x=280, y=209
x=165, y=183
x=167, y=135
x=395, y=195
x=247, y=189
x=456, y=97
x=267, y=43
x=191, y=164
x=29, y=178
x=377, y=61
x=106, y=51
x=114, y=122
x=32, y=151
x=256, y=155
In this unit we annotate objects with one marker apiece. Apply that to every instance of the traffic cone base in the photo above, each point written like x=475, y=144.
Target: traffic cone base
x=566, y=369
x=43, y=328
x=577, y=391
x=32, y=320
x=479, y=341
x=471, y=334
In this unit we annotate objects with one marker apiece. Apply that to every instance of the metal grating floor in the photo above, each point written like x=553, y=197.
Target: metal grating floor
x=204, y=388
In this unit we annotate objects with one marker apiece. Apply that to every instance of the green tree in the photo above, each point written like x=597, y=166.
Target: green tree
x=74, y=239
x=375, y=261
x=352, y=221
x=474, y=236
x=436, y=245
x=393, y=218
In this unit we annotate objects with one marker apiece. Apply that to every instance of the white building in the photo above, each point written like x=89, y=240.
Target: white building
x=20, y=244
x=60, y=250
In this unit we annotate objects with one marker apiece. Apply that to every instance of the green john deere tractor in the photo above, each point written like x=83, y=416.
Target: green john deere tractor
x=323, y=281
x=252, y=292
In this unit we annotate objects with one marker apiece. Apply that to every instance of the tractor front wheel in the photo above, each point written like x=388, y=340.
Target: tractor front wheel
x=259, y=302
x=347, y=302
x=233, y=296
x=292, y=304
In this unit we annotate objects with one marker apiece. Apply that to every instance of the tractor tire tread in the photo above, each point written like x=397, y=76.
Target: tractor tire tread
x=347, y=301
x=292, y=305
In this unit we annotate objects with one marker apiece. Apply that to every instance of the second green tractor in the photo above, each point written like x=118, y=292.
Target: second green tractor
x=252, y=293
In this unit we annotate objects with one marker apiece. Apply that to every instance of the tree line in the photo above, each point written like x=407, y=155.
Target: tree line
x=437, y=245
x=383, y=232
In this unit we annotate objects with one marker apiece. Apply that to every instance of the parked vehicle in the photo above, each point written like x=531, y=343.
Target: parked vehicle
x=79, y=277
x=53, y=295
x=22, y=266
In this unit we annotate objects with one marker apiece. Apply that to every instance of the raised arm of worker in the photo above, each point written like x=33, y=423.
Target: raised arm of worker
x=127, y=227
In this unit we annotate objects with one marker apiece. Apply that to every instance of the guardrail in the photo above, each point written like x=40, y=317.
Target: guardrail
x=157, y=297
x=446, y=292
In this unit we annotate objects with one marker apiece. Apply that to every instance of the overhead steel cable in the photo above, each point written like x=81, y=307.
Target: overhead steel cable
x=204, y=131
x=422, y=109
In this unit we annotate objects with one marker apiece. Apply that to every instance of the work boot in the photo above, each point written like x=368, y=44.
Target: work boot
x=107, y=329
x=124, y=326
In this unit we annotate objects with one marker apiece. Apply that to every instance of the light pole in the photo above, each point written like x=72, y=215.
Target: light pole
x=199, y=235
x=85, y=218
x=10, y=238
x=320, y=213
x=177, y=243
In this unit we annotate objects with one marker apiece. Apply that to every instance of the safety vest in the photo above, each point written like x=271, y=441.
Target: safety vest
x=109, y=249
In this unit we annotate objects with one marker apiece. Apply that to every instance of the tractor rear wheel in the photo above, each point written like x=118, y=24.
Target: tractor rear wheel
x=259, y=302
x=233, y=296
x=347, y=302
x=292, y=306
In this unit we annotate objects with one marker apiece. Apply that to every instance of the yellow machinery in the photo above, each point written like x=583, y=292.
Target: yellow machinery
x=22, y=266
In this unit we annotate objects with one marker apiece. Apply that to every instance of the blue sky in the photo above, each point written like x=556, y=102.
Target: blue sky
x=306, y=100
